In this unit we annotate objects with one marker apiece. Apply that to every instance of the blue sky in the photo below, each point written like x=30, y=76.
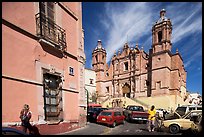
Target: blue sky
x=115, y=23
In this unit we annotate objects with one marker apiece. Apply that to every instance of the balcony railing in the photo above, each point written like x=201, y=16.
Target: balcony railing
x=50, y=31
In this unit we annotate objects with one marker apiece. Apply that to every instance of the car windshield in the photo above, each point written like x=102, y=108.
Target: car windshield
x=136, y=108
x=181, y=110
x=94, y=109
x=103, y=108
x=106, y=113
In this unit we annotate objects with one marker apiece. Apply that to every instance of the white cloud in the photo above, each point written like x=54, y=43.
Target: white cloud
x=187, y=27
x=125, y=20
x=192, y=58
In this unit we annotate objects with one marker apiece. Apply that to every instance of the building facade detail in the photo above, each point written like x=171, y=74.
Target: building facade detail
x=134, y=73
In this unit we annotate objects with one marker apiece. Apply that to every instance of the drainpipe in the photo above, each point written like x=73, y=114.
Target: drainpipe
x=87, y=96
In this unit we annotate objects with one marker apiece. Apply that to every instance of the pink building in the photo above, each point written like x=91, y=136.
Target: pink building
x=43, y=64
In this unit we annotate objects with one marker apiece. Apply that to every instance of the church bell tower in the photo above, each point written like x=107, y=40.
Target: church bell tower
x=99, y=57
x=161, y=33
x=161, y=56
x=98, y=65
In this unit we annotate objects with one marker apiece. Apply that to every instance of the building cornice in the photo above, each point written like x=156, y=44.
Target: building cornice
x=70, y=55
x=88, y=85
x=162, y=52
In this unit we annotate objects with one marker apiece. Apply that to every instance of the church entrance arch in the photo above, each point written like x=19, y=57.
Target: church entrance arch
x=126, y=90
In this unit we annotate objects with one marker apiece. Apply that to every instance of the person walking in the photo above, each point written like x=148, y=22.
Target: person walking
x=25, y=116
x=151, y=118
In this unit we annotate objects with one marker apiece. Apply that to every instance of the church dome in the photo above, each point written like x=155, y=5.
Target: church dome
x=162, y=16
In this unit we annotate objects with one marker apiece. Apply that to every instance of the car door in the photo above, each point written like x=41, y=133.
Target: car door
x=119, y=117
x=186, y=123
x=115, y=117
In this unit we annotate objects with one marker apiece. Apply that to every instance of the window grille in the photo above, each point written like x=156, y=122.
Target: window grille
x=47, y=28
x=52, y=96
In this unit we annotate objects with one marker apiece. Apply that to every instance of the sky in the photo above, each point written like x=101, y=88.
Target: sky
x=116, y=23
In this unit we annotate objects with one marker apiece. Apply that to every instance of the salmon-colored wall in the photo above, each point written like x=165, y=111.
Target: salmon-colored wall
x=18, y=54
x=70, y=104
x=70, y=26
x=14, y=96
x=21, y=14
x=73, y=6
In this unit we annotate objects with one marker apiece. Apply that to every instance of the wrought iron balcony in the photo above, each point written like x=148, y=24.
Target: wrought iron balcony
x=50, y=31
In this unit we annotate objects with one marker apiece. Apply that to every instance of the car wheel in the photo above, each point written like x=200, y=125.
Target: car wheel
x=174, y=129
x=114, y=124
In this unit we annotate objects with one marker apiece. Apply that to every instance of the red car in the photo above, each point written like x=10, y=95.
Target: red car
x=111, y=117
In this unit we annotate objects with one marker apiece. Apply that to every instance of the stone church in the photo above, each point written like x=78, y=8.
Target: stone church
x=133, y=73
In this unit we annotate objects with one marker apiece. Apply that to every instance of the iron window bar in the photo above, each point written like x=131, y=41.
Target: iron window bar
x=50, y=31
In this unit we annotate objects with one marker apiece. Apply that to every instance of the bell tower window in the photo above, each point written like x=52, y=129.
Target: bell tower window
x=125, y=66
x=96, y=57
x=159, y=36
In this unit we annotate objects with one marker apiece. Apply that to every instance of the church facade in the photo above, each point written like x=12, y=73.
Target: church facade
x=133, y=73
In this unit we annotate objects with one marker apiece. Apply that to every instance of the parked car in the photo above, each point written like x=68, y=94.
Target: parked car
x=162, y=112
x=182, y=110
x=196, y=126
x=179, y=122
x=111, y=117
x=135, y=113
x=12, y=131
x=93, y=113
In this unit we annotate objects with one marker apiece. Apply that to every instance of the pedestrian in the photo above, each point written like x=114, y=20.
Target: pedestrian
x=25, y=116
x=151, y=118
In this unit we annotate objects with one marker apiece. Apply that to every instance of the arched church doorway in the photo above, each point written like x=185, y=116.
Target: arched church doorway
x=126, y=90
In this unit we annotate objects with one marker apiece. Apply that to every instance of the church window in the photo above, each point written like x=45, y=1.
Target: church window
x=126, y=65
x=107, y=89
x=146, y=82
x=147, y=65
x=91, y=81
x=71, y=71
x=159, y=36
x=96, y=57
x=116, y=67
x=103, y=57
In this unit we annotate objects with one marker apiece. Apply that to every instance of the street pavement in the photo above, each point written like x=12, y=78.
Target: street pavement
x=126, y=129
